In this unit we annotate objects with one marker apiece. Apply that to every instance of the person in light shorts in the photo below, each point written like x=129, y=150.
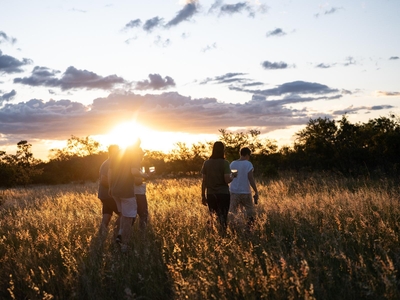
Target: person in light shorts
x=124, y=167
x=240, y=187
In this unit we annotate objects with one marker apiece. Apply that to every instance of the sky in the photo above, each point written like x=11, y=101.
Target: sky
x=179, y=71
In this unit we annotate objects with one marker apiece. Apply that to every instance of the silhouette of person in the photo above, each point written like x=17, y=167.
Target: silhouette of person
x=122, y=171
x=214, y=186
x=108, y=203
x=240, y=186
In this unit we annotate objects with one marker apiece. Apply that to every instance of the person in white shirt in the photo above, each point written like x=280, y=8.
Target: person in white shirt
x=240, y=187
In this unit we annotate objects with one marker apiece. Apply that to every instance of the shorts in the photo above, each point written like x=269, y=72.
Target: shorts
x=127, y=206
x=109, y=206
x=242, y=200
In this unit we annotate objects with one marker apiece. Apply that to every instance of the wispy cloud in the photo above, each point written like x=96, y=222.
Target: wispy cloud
x=152, y=23
x=388, y=94
x=356, y=109
x=226, y=78
x=8, y=39
x=293, y=88
x=237, y=8
x=276, y=32
x=323, y=66
x=7, y=96
x=274, y=65
x=349, y=61
x=72, y=78
x=209, y=47
x=330, y=11
x=187, y=12
x=133, y=24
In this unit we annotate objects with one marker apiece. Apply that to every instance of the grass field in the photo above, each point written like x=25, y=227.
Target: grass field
x=314, y=238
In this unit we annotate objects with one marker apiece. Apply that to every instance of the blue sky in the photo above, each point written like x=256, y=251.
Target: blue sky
x=185, y=69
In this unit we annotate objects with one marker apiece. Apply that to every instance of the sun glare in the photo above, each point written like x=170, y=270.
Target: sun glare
x=127, y=133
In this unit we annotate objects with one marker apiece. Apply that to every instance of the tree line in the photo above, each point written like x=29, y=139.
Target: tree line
x=360, y=149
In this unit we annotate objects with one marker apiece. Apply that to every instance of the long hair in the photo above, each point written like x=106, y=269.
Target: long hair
x=218, y=150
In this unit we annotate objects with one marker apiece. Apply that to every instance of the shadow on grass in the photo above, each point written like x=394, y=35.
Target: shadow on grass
x=107, y=273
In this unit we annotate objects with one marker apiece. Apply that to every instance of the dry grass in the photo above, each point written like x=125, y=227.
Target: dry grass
x=314, y=238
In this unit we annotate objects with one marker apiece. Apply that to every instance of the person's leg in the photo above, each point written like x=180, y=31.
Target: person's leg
x=248, y=205
x=224, y=204
x=104, y=222
x=142, y=210
x=107, y=211
x=128, y=212
x=234, y=204
x=212, y=208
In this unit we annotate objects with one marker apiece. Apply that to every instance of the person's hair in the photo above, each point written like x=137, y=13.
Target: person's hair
x=113, y=149
x=218, y=150
x=245, y=151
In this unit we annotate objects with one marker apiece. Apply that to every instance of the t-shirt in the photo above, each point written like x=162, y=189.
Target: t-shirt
x=140, y=189
x=122, y=185
x=215, y=169
x=103, y=189
x=240, y=184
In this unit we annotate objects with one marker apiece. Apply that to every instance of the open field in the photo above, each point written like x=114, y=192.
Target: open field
x=314, y=238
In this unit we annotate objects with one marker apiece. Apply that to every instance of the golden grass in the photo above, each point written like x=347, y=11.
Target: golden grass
x=314, y=238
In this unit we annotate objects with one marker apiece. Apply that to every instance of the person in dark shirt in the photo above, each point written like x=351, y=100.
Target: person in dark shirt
x=214, y=188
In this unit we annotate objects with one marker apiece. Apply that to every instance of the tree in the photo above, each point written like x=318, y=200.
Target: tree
x=317, y=141
x=19, y=169
x=76, y=146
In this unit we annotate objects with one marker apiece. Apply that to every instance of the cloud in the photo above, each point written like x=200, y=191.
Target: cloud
x=79, y=10
x=293, y=88
x=228, y=77
x=323, y=66
x=394, y=58
x=150, y=24
x=274, y=65
x=5, y=38
x=187, y=12
x=162, y=43
x=332, y=10
x=9, y=64
x=276, y=32
x=7, y=96
x=329, y=11
x=237, y=8
x=355, y=110
x=171, y=111
x=72, y=78
x=389, y=94
x=156, y=82
x=217, y=4
x=349, y=61
x=209, y=47
x=233, y=8
x=132, y=24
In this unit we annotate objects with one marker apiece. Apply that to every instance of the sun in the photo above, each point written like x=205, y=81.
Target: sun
x=127, y=133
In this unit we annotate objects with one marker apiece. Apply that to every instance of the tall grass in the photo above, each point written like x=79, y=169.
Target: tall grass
x=314, y=238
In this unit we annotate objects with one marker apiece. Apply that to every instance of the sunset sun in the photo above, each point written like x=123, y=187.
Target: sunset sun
x=127, y=133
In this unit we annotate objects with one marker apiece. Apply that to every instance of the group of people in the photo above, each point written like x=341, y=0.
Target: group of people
x=227, y=186
x=122, y=191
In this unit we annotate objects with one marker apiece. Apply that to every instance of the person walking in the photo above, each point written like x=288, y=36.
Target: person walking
x=140, y=192
x=214, y=186
x=241, y=184
x=122, y=171
x=108, y=204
